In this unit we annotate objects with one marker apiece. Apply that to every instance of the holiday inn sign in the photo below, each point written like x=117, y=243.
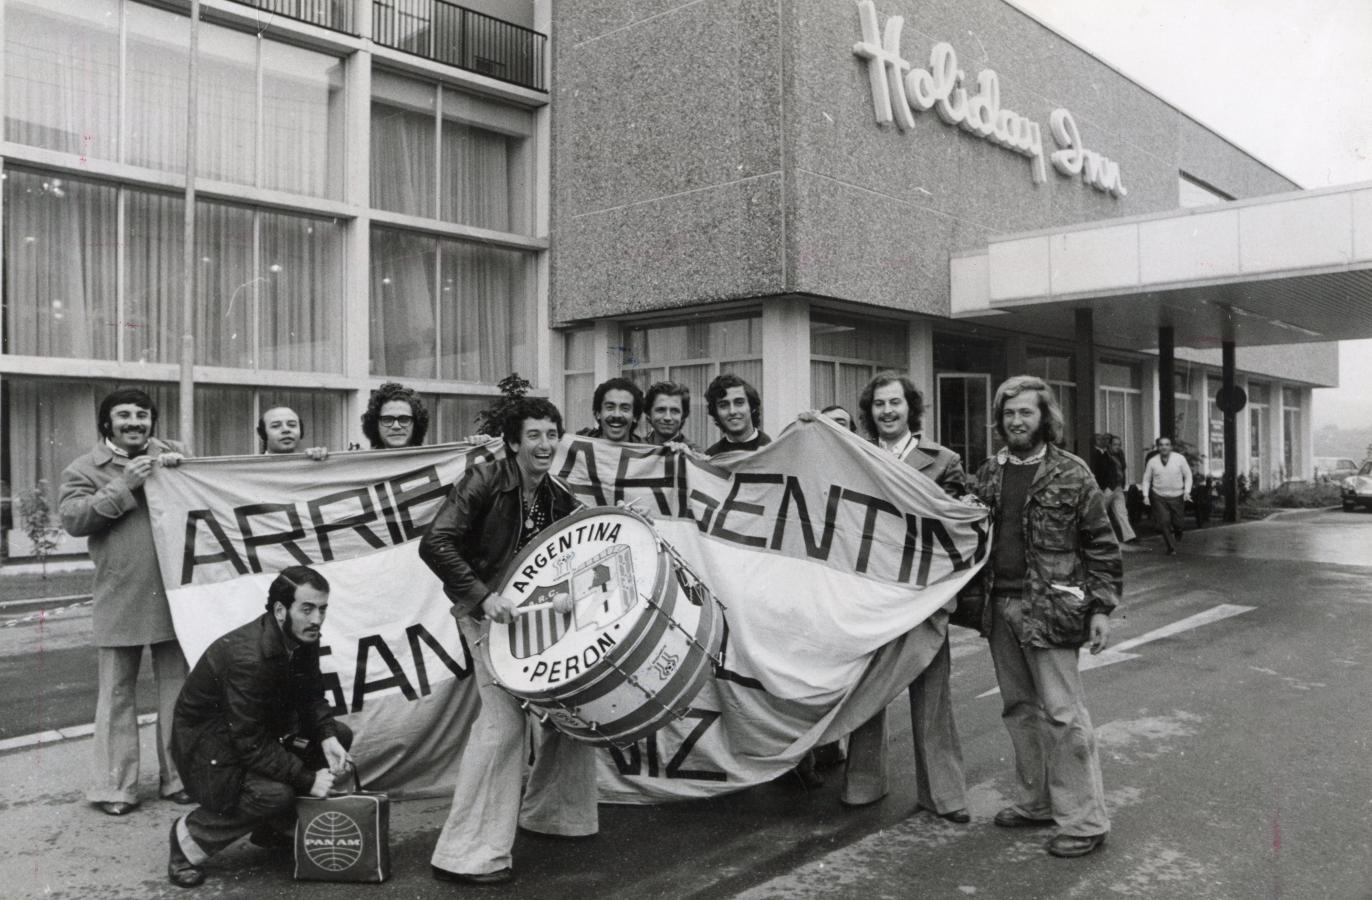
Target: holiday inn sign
x=899, y=90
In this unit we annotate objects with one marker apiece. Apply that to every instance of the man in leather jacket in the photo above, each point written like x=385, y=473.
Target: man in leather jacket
x=253, y=729
x=1053, y=578
x=494, y=510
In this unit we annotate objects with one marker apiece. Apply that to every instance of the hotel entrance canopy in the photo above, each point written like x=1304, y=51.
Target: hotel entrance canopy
x=1282, y=269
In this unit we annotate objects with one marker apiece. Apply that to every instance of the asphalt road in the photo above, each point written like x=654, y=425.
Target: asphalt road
x=1235, y=753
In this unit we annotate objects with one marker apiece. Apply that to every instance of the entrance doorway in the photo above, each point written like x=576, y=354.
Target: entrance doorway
x=964, y=416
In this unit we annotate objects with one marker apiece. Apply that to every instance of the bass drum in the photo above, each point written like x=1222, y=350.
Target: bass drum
x=640, y=643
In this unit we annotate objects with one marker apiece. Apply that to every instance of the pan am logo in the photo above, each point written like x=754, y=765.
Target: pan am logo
x=333, y=841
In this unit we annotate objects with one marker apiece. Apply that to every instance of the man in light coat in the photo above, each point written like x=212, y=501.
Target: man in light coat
x=891, y=407
x=102, y=500
x=1166, y=485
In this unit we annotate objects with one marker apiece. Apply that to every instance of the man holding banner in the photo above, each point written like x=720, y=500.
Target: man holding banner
x=891, y=407
x=1054, y=577
x=493, y=511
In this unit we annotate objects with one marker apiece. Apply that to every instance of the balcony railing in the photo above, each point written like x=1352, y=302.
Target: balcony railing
x=452, y=34
x=336, y=15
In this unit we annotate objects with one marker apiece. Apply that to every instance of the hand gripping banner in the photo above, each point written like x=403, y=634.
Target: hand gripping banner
x=829, y=557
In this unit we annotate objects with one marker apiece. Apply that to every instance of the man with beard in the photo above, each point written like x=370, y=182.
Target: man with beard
x=253, y=729
x=1166, y=485
x=102, y=500
x=616, y=405
x=279, y=431
x=669, y=406
x=1053, y=578
x=891, y=408
x=492, y=512
x=736, y=407
x=396, y=417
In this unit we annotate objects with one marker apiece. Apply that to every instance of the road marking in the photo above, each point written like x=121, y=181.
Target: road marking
x=1118, y=653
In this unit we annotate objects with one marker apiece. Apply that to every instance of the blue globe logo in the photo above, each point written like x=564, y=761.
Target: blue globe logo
x=333, y=841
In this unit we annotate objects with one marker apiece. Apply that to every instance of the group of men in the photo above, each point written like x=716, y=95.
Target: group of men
x=1167, y=482
x=228, y=743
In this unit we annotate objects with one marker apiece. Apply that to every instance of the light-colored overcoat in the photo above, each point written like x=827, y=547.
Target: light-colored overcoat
x=97, y=503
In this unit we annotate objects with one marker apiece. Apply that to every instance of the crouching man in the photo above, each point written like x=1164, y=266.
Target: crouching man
x=252, y=729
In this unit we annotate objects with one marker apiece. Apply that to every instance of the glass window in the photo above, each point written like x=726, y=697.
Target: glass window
x=453, y=417
x=225, y=285
x=578, y=371
x=153, y=237
x=403, y=163
x=155, y=88
x=60, y=266
x=1120, y=375
x=1259, y=393
x=1291, y=397
x=323, y=415
x=226, y=108
x=302, y=121
x=485, y=173
x=845, y=353
x=690, y=353
x=484, y=316
x=62, y=76
x=300, y=287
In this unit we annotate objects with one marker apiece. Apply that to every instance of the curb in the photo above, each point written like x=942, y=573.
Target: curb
x=57, y=735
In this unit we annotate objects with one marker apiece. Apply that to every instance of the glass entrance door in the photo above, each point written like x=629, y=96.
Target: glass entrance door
x=964, y=416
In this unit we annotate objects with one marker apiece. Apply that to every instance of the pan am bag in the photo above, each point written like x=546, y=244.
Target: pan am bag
x=344, y=836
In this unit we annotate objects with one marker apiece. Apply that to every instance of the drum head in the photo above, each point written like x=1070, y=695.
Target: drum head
x=609, y=561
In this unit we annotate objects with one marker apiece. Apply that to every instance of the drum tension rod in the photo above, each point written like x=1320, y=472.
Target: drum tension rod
x=677, y=625
x=629, y=677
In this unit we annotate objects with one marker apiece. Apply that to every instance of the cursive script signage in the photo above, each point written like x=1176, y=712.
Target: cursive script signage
x=899, y=90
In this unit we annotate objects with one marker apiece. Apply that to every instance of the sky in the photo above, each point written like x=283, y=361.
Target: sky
x=1290, y=83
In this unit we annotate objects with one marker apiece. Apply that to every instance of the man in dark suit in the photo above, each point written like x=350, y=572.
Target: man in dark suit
x=252, y=729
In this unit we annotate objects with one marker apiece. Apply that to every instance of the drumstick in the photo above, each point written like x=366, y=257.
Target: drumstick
x=536, y=607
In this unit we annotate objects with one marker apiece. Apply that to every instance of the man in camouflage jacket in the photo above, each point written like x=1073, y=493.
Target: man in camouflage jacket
x=1053, y=578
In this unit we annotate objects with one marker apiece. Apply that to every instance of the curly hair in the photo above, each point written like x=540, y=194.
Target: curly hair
x=720, y=386
x=1051, y=427
x=913, y=399
x=393, y=390
x=527, y=408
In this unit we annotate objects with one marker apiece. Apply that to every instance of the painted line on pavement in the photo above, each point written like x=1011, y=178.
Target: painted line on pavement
x=1119, y=653
x=53, y=736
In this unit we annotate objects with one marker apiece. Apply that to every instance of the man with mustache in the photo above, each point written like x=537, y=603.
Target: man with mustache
x=253, y=729
x=736, y=407
x=492, y=512
x=616, y=405
x=1166, y=485
x=279, y=431
x=891, y=408
x=1053, y=579
x=102, y=500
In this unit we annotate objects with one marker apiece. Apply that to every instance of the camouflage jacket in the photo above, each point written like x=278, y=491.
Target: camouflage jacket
x=1073, y=564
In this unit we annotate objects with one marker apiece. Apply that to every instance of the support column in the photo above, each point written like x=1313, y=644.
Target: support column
x=1231, y=437
x=1167, y=384
x=920, y=359
x=1084, y=353
x=785, y=362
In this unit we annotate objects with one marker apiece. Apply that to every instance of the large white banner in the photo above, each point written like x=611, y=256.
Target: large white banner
x=829, y=556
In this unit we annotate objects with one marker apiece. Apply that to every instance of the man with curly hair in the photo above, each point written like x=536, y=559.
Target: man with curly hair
x=396, y=417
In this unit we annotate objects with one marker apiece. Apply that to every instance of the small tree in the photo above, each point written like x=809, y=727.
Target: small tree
x=38, y=524
x=512, y=388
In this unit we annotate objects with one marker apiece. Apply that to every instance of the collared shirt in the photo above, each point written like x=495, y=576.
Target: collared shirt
x=902, y=447
x=120, y=451
x=1004, y=456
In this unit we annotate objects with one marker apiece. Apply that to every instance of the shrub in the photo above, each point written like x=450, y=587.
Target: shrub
x=38, y=524
x=1297, y=495
x=490, y=419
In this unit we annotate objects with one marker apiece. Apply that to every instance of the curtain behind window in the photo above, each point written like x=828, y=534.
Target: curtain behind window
x=60, y=244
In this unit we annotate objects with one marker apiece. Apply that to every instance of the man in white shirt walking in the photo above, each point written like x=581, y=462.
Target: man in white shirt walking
x=1166, y=485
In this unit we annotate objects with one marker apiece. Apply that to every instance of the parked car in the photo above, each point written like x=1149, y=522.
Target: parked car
x=1334, y=468
x=1357, y=488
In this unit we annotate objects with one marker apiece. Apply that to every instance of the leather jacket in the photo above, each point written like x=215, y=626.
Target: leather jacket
x=1068, y=542
x=245, y=693
x=475, y=534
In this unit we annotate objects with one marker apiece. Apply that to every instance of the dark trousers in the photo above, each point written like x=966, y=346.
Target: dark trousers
x=262, y=801
x=1168, y=513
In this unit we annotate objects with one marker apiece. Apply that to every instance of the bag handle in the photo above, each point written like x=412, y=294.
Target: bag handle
x=357, y=783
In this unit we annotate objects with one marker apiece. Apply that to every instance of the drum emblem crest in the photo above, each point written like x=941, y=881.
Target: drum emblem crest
x=602, y=588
